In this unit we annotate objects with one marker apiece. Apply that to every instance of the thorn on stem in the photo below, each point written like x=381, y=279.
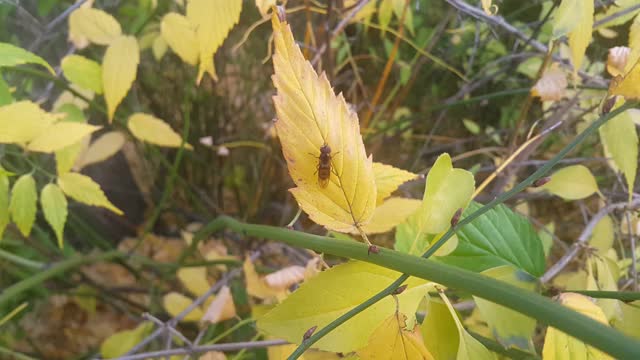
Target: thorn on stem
x=456, y=217
x=400, y=289
x=608, y=104
x=308, y=333
x=541, y=181
x=373, y=249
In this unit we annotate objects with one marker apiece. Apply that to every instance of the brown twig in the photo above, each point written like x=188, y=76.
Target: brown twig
x=584, y=237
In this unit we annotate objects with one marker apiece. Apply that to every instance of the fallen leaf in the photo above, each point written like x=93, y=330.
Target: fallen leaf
x=284, y=278
x=221, y=308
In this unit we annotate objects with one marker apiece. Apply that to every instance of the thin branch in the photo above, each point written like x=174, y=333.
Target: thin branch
x=584, y=237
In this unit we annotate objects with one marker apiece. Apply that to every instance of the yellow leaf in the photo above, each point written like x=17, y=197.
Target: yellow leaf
x=221, y=308
x=213, y=355
x=391, y=213
x=489, y=9
x=575, y=19
x=388, y=178
x=54, y=207
x=620, y=140
x=560, y=346
x=32, y=122
x=119, y=69
x=23, y=203
x=282, y=352
x=180, y=35
x=82, y=189
x=264, y=6
x=149, y=128
x=212, y=19
x=468, y=347
x=393, y=341
x=93, y=25
x=60, y=135
x=119, y=343
x=83, y=72
x=572, y=183
x=159, y=48
x=67, y=157
x=634, y=43
x=257, y=286
x=319, y=301
x=309, y=117
x=101, y=149
x=604, y=278
x=175, y=303
x=551, y=86
x=446, y=191
x=194, y=279
x=628, y=322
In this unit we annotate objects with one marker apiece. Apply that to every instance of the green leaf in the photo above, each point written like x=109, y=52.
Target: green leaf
x=499, y=237
x=620, y=140
x=83, y=72
x=23, y=203
x=5, y=93
x=4, y=203
x=73, y=113
x=510, y=328
x=332, y=293
x=11, y=55
x=119, y=343
x=54, y=206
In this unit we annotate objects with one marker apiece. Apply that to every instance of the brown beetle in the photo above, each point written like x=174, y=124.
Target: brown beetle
x=324, y=166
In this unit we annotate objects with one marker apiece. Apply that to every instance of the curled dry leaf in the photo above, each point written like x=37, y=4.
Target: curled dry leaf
x=617, y=60
x=256, y=285
x=221, y=308
x=311, y=116
x=286, y=277
x=552, y=85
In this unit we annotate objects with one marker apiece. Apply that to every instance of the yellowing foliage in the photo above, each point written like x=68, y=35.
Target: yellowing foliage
x=33, y=122
x=23, y=204
x=82, y=189
x=574, y=18
x=94, y=25
x=393, y=341
x=119, y=69
x=153, y=130
x=560, y=346
x=212, y=21
x=310, y=115
x=572, y=183
x=388, y=178
x=180, y=35
x=54, y=207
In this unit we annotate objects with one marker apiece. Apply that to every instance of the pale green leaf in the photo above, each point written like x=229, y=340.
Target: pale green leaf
x=11, y=55
x=509, y=327
x=119, y=343
x=319, y=301
x=439, y=331
x=620, y=140
x=149, y=128
x=23, y=203
x=602, y=235
x=5, y=93
x=392, y=212
x=119, y=70
x=82, y=189
x=628, y=322
x=447, y=190
x=83, y=72
x=4, y=203
x=572, y=183
x=60, y=135
x=54, y=206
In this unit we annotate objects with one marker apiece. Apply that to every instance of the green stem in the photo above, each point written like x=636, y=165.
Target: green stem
x=15, y=355
x=533, y=305
x=59, y=268
x=542, y=171
x=625, y=296
x=21, y=261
